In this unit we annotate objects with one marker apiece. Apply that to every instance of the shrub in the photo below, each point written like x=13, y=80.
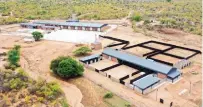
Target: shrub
x=16, y=83
x=66, y=67
x=40, y=99
x=146, y=22
x=82, y=51
x=127, y=105
x=14, y=56
x=136, y=18
x=49, y=90
x=37, y=35
x=108, y=95
x=21, y=72
x=9, y=66
x=64, y=103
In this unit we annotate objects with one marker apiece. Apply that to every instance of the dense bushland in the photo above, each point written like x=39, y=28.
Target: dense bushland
x=179, y=14
x=17, y=88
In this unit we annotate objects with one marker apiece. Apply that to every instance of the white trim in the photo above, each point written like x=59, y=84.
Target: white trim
x=176, y=80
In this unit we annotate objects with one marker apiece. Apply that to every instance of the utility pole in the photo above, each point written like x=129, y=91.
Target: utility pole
x=190, y=86
x=156, y=94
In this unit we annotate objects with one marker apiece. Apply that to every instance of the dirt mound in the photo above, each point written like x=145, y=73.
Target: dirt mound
x=170, y=31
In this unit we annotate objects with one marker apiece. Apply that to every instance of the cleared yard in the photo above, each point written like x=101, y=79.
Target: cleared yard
x=157, y=46
x=133, y=77
x=103, y=64
x=166, y=58
x=73, y=36
x=120, y=71
x=139, y=51
x=180, y=52
x=106, y=42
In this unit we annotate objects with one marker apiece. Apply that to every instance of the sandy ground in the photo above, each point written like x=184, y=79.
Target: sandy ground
x=166, y=58
x=180, y=52
x=36, y=58
x=132, y=77
x=157, y=46
x=103, y=64
x=120, y=71
x=139, y=51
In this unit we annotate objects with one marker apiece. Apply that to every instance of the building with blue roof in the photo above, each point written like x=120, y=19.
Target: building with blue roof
x=91, y=59
x=162, y=71
x=75, y=25
x=147, y=82
x=30, y=25
x=72, y=25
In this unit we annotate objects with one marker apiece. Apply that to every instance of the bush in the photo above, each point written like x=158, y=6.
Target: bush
x=127, y=105
x=9, y=66
x=14, y=56
x=37, y=35
x=82, y=51
x=66, y=67
x=64, y=103
x=16, y=83
x=136, y=18
x=108, y=95
x=21, y=72
x=49, y=90
x=146, y=22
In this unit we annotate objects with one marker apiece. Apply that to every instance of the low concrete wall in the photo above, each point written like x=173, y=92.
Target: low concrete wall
x=162, y=76
x=103, y=73
x=90, y=67
x=182, y=64
x=114, y=79
x=137, y=89
x=130, y=86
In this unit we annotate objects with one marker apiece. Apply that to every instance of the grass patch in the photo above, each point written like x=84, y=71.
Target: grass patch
x=116, y=101
x=108, y=95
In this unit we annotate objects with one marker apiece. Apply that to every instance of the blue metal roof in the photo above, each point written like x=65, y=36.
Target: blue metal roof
x=90, y=57
x=154, y=66
x=146, y=81
x=48, y=27
x=30, y=24
x=85, y=24
x=48, y=22
x=174, y=73
x=72, y=20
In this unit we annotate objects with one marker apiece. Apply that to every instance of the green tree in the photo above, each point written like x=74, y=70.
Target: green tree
x=168, y=0
x=66, y=67
x=82, y=51
x=37, y=35
x=14, y=55
x=136, y=18
x=55, y=63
